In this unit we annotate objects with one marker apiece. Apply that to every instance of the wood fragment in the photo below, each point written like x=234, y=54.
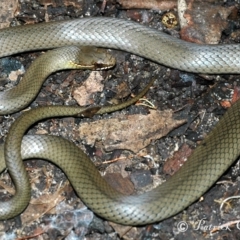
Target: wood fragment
x=150, y=4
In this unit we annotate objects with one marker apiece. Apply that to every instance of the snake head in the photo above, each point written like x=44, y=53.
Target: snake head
x=94, y=58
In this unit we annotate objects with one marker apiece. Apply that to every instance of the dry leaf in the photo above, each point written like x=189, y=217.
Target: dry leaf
x=132, y=132
x=123, y=185
x=125, y=232
x=55, y=3
x=42, y=205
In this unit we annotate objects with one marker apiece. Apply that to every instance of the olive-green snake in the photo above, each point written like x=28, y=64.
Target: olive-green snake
x=215, y=154
x=70, y=57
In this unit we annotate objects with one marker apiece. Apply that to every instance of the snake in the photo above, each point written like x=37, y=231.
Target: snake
x=209, y=160
x=70, y=57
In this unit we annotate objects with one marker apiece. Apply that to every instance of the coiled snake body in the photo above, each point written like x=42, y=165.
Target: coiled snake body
x=215, y=154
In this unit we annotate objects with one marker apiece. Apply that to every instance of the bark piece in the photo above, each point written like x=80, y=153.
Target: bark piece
x=173, y=164
x=202, y=22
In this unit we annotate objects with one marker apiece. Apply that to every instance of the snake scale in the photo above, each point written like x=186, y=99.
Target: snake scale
x=208, y=162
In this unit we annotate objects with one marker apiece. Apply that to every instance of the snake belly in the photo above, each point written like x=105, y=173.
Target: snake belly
x=208, y=162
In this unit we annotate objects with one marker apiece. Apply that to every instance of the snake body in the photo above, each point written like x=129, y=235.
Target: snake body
x=211, y=158
x=70, y=57
x=124, y=35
